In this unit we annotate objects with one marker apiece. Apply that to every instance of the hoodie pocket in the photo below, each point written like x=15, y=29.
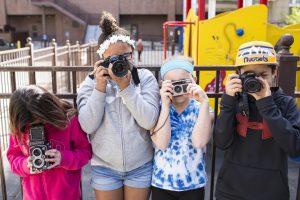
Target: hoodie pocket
x=246, y=182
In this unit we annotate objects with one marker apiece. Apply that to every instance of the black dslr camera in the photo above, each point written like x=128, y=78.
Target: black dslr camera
x=38, y=147
x=250, y=83
x=180, y=87
x=120, y=65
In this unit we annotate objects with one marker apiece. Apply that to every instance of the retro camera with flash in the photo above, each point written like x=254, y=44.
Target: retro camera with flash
x=180, y=87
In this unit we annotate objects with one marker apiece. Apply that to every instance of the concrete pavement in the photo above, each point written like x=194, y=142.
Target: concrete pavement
x=14, y=192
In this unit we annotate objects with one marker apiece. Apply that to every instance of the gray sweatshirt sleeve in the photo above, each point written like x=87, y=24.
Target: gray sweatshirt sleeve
x=143, y=106
x=91, y=103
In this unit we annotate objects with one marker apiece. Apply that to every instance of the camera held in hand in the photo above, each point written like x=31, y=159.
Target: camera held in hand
x=180, y=87
x=249, y=82
x=120, y=65
x=38, y=147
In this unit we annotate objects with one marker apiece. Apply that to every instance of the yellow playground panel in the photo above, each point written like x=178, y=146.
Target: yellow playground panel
x=214, y=42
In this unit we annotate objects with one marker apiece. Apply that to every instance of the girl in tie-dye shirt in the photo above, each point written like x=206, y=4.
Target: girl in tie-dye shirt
x=181, y=134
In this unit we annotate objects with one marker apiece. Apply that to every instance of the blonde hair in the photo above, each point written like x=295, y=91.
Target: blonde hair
x=180, y=57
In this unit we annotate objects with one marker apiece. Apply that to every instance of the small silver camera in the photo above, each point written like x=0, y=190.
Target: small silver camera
x=38, y=147
x=180, y=87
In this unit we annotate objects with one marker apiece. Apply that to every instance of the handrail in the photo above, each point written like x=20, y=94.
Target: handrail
x=13, y=60
x=44, y=56
x=75, y=10
x=14, y=50
x=43, y=49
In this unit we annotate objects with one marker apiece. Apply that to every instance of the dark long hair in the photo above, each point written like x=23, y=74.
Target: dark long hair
x=34, y=104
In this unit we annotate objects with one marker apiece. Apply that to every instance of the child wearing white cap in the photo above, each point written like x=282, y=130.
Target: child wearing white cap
x=181, y=134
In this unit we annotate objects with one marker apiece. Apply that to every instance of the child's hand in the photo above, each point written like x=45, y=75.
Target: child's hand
x=265, y=90
x=101, y=76
x=55, y=157
x=196, y=92
x=233, y=84
x=166, y=92
x=29, y=165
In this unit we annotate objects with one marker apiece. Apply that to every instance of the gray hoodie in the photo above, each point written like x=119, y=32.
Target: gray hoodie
x=118, y=121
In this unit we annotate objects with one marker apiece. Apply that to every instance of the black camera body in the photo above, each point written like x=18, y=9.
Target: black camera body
x=249, y=82
x=120, y=65
x=180, y=87
x=38, y=147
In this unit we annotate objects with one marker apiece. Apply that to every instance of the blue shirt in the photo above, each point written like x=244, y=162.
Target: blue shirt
x=181, y=166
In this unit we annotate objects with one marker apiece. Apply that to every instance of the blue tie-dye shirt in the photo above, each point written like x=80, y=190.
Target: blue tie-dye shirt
x=181, y=166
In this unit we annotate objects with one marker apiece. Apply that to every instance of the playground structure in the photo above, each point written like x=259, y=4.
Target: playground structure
x=214, y=42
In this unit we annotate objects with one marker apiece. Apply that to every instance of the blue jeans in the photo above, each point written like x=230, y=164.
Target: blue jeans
x=108, y=179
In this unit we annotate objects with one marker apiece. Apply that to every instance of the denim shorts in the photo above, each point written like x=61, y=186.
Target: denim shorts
x=107, y=179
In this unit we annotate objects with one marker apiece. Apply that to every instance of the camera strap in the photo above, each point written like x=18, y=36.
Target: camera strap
x=135, y=75
x=243, y=105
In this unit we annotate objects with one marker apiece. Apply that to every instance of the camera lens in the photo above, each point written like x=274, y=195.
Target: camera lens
x=252, y=85
x=38, y=162
x=37, y=152
x=120, y=68
x=177, y=89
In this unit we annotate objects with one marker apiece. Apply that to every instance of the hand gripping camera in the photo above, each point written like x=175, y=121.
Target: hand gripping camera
x=180, y=87
x=249, y=83
x=38, y=147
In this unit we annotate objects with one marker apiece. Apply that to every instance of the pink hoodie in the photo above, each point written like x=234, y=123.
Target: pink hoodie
x=61, y=182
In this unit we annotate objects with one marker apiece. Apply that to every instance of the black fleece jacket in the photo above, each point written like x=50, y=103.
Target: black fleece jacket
x=256, y=168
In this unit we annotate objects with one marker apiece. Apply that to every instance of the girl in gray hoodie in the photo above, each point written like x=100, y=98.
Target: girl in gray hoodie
x=117, y=105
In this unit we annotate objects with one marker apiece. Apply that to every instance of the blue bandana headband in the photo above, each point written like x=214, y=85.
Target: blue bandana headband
x=176, y=64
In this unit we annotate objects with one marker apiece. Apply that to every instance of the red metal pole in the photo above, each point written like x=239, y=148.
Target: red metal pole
x=264, y=2
x=165, y=40
x=239, y=3
x=165, y=26
x=201, y=9
x=188, y=6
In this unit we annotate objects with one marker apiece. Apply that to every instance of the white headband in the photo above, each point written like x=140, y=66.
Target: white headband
x=114, y=39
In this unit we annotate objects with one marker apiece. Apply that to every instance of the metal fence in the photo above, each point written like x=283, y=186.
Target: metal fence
x=31, y=72
x=53, y=56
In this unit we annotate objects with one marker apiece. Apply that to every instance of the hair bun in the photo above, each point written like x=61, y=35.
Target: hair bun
x=108, y=23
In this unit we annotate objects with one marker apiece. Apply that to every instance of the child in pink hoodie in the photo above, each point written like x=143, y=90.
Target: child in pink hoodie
x=69, y=147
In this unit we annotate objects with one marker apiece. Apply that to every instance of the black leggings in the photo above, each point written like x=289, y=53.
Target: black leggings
x=161, y=194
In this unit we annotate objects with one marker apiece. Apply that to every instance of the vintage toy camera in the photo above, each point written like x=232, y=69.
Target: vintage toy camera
x=180, y=86
x=38, y=147
x=250, y=83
